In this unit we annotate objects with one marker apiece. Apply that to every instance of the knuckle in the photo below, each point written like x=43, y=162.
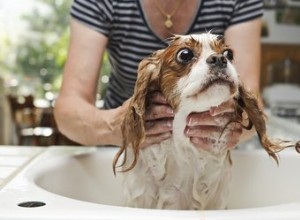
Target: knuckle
x=158, y=97
x=158, y=111
x=158, y=126
x=152, y=112
x=156, y=139
x=149, y=124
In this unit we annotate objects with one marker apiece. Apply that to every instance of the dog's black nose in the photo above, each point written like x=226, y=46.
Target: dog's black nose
x=217, y=60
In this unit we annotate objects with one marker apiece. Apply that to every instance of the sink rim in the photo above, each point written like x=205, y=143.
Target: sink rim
x=14, y=193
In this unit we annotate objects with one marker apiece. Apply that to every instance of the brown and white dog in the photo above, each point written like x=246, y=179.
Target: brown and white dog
x=194, y=73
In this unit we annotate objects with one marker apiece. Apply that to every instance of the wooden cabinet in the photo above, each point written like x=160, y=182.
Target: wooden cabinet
x=275, y=54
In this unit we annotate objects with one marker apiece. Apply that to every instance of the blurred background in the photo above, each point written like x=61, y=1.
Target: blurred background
x=34, y=37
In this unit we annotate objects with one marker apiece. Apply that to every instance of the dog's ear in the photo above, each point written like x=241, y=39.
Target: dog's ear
x=133, y=127
x=249, y=103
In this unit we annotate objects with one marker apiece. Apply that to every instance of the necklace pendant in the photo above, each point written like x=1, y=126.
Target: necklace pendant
x=168, y=23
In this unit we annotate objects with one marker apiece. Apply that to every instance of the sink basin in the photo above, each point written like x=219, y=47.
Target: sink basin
x=257, y=180
x=78, y=183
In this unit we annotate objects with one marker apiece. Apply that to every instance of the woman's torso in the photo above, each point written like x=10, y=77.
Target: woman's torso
x=134, y=32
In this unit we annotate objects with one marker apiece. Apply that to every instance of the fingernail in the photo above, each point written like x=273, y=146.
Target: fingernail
x=186, y=131
x=212, y=111
x=190, y=122
x=167, y=135
x=170, y=111
x=169, y=124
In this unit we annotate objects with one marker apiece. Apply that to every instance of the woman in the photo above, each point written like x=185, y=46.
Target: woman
x=131, y=30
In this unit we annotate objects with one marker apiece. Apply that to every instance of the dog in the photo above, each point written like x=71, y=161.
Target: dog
x=194, y=73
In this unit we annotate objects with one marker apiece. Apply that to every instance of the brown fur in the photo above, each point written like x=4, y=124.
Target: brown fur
x=248, y=102
x=133, y=127
x=155, y=73
x=160, y=72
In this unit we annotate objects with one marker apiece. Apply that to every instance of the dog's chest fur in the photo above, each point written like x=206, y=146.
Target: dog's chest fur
x=176, y=175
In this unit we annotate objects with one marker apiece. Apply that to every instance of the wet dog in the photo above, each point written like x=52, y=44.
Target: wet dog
x=194, y=73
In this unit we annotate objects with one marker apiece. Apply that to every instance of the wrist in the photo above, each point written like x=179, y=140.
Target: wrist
x=111, y=126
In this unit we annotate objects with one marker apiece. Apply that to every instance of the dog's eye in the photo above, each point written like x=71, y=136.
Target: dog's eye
x=185, y=55
x=228, y=54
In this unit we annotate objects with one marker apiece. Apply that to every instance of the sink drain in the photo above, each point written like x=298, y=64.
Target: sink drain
x=31, y=204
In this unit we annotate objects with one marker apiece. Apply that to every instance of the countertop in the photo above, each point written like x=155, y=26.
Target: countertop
x=14, y=158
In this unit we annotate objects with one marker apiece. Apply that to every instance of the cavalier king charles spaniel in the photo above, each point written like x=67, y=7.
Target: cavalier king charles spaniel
x=194, y=73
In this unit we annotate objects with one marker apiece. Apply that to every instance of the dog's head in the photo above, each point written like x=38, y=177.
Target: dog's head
x=190, y=67
x=194, y=71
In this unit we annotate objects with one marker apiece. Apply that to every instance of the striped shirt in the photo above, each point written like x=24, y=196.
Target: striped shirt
x=131, y=39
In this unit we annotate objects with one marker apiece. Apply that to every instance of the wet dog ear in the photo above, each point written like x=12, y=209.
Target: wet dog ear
x=249, y=103
x=133, y=127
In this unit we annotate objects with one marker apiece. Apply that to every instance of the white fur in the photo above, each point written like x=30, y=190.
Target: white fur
x=175, y=174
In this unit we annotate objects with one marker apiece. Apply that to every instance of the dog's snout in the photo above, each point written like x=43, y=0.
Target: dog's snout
x=217, y=60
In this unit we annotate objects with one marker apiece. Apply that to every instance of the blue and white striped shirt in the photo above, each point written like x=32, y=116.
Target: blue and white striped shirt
x=131, y=39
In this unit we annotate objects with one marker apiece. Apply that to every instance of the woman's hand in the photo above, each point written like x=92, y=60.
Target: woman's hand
x=159, y=120
x=204, y=129
x=207, y=129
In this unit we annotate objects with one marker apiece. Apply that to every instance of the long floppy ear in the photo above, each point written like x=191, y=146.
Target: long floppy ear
x=249, y=103
x=133, y=127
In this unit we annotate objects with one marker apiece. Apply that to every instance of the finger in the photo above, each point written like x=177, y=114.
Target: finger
x=208, y=144
x=203, y=131
x=158, y=111
x=225, y=107
x=226, y=144
x=156, y=139
x=203, y=118
x=158, y=98
x=199, y=119
x=231, y=137
x=158, y=126
x=233, y=131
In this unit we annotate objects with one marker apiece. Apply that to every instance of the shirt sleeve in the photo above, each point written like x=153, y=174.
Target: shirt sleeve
x=94, y=13
x=246, y=10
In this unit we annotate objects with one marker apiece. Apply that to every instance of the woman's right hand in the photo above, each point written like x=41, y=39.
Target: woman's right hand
x=158, y=120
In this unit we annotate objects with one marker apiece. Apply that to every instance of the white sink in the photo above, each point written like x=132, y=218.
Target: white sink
x=78, y=183
x=257, y=180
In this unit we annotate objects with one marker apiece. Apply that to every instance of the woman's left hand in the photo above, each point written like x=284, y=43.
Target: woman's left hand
x=207, y=129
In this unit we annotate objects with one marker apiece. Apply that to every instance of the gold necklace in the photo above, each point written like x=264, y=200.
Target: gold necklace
x=168, y=22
